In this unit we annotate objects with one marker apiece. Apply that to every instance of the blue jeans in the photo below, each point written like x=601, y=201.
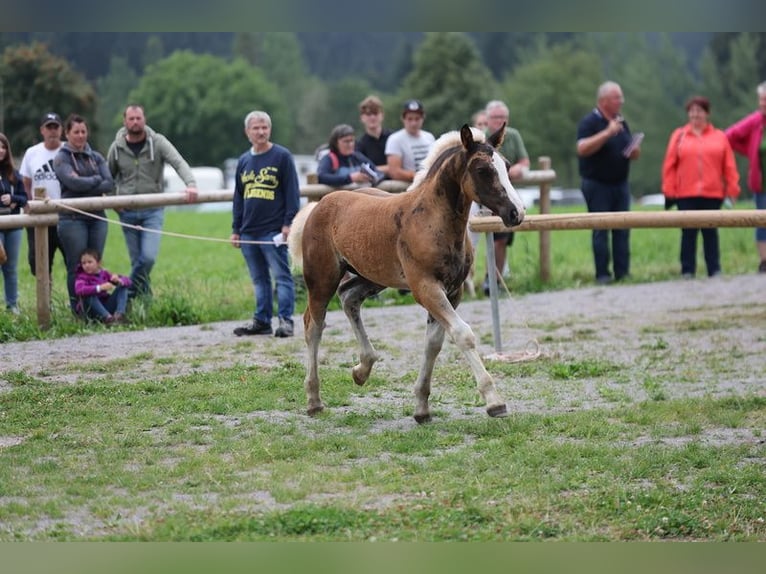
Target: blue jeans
x=143, y=246
x=11, y=240
x=96, y=308
x=76, y=235
x=709, y=238
x=760, y=203
x=601, y=197
x=262, y=260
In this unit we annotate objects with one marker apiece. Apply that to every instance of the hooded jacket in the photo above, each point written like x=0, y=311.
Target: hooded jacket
x=144, y=173
x=82, y=174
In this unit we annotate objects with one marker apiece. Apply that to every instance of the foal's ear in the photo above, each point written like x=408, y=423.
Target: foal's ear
x=496, y=139
x=466, y=136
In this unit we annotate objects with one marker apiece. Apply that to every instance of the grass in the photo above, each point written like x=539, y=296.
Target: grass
x=205, y=280
x=228, y=456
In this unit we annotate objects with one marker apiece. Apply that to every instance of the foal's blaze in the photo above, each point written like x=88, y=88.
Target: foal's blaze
x=357, y=243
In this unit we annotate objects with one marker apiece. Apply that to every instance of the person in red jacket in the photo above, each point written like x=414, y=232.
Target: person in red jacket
x=746, y=138
x=699, y=172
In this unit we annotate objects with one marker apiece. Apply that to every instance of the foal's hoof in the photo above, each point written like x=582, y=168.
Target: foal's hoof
x=422, y=419
x=498, y=411
x=311, y=411
x=358, y=379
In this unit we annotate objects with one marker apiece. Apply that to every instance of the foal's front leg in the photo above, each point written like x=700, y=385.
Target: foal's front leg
x=432, y=297
x=434, y=342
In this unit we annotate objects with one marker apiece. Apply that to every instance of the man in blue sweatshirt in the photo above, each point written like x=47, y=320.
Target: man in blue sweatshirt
x=266, y=199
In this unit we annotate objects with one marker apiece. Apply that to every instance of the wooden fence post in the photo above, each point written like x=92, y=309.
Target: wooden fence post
x=545, y=236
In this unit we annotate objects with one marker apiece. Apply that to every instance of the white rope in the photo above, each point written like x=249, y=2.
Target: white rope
x=160, y=231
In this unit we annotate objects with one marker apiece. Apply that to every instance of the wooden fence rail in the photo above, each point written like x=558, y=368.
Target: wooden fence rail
x=43, y=213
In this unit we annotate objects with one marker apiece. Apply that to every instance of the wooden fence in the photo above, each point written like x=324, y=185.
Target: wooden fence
x=43, y=213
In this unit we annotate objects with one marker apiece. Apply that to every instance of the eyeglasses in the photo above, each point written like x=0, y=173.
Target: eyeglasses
x=346, y=141
x=497, y=117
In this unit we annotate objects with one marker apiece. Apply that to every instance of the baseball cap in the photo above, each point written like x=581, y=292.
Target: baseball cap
x=50, y=118
x=413, y=106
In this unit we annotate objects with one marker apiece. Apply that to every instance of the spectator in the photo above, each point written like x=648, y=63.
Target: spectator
x=698, y=173
x=40, y=182
x=101, y=295
x=137, y=159
x=408, y=147
x=342, y=165
x=479, y=120
x=373, y=142
x=746, y=137
x=516, y=153
x=82, y=172
x=266, y=198
x=605, y=147
x=12, y=198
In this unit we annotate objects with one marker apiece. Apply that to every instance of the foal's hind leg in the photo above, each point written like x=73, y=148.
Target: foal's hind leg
x=321, y=286
x=353, y=291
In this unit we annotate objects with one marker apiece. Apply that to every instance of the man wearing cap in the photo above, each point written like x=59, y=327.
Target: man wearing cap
x=40, y=181
x=407, y=148
x=137, y=160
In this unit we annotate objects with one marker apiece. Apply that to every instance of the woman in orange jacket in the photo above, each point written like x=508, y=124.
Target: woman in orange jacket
x=699, y=172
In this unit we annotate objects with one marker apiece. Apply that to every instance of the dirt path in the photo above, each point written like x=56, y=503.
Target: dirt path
x=712, y=331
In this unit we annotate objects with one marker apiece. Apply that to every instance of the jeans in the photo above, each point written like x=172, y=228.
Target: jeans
x=97, y=308
x=760, y=203
x=53, y=244
x=11, y=239
x=262, y=260
x=76, y=235
x=143, y=246
x=709, y=238
x=601, y=197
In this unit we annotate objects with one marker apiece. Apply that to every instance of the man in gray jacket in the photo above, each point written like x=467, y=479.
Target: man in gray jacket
x=137, y=159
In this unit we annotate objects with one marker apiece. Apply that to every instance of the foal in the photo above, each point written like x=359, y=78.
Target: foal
x=415, y=240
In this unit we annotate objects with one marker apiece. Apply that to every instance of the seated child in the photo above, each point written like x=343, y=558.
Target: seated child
x=101, y=295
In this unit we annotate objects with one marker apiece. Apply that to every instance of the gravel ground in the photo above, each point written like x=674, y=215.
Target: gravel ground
x=706, y=335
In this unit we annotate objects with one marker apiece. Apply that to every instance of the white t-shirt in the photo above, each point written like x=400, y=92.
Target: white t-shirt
x=37, y=165
x=413, y=150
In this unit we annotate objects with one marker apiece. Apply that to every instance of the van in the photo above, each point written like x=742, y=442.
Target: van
x=207, y=178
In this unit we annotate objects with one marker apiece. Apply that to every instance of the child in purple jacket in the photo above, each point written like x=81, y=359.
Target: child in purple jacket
x=101, y=295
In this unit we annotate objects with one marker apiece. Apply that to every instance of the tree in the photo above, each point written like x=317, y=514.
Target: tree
x=112, y=93
x=33, y=82
x=547, y=96
x=450, y=79
x=200, y=102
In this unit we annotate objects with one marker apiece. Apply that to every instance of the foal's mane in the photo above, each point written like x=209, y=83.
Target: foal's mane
x=446, y=141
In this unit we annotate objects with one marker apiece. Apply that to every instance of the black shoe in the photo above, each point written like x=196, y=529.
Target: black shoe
x=285, y=328
x=762, y=267
x=255, y=328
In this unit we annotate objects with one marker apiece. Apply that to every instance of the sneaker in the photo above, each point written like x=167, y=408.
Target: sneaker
x=13, y=310
x=120, y=319
x=603, y=279
x=762, y=267
x=687, y=276
x=255, y=328
x=110, y=321
x=285, y=328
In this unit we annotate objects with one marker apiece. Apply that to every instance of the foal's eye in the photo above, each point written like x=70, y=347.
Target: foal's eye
x=485, y=170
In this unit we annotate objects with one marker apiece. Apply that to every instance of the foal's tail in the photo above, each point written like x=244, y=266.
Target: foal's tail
x=295, y=239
